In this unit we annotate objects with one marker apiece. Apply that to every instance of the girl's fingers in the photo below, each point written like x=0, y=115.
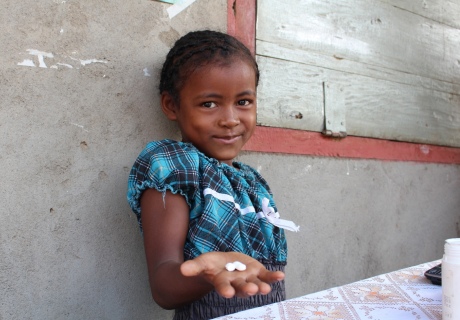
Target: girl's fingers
x=224, y=288
x=254, y=280
x=263, y=287
x=271, y=276
x=243, y=288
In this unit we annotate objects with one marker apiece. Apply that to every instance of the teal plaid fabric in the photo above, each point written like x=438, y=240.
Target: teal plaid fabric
x=224, y=201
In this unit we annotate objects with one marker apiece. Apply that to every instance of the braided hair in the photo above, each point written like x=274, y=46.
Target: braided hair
x=197, y=49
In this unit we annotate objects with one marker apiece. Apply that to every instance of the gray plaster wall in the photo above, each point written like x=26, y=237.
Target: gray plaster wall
x=79, y=101
x=359, y=218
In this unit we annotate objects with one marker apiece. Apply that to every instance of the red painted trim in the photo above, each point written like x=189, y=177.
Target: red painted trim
x=231, y=19
x=266, y=139
x=241, y=23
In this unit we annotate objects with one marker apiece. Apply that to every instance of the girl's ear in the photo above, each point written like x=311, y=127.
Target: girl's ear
x=168, y=106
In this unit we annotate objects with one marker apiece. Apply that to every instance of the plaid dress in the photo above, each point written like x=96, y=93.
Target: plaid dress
x=225, y=203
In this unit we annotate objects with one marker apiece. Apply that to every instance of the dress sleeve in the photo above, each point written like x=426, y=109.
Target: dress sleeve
x=163, y=165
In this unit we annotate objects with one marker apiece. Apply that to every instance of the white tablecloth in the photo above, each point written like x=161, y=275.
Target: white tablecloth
x=398, y=295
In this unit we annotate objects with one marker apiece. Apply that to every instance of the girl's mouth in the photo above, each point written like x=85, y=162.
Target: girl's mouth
x=228, y=139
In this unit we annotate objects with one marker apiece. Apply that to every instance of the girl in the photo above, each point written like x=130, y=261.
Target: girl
x=197, y=208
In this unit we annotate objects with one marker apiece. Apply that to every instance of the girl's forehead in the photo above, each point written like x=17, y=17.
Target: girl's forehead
x=232, y=64
x=234, y=71
x=222, y=79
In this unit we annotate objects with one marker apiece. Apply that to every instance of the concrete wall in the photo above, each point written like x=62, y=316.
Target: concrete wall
x=360, y=218
x=79, y=101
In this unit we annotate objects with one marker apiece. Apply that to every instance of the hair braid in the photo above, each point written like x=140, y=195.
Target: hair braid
x=197, y=49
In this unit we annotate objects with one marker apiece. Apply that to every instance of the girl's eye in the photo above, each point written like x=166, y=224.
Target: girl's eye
x=243, y=102
x=209, y=105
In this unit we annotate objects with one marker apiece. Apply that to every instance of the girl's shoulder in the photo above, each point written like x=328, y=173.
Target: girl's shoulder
x=170, y=153
x=168, y=147
x=164, y=165
x=166, y=157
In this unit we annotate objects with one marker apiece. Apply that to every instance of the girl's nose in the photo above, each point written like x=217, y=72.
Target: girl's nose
x=229, y=117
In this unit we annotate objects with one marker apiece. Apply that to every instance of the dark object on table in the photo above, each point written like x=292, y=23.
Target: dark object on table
x=434, y=274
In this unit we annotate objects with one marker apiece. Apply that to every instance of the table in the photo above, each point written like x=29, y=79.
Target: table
x=402, y=294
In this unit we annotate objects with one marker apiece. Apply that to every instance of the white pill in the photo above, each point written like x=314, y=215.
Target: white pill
x=239, y=266
x=230, y=266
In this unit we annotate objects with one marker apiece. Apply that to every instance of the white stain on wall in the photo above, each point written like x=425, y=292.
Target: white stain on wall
x=79, y=126
x=425, y=149
x=178, y=7
x=26, y=63
x=64, y=65
x=89, y=61
x=43, y=57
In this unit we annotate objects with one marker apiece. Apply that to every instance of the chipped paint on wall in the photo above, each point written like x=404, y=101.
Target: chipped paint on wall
x=79, y=126
x=89, y=61
x=425, y=149
x=62, y=64
x=177, y=6
x=26, y=63
x=146, y=72
x=40, y=56
x=50, y=58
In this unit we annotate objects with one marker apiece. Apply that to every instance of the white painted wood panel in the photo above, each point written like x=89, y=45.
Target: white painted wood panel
x=274, y=50
x=374, y=108
x=399, y=67
x=443, y=11
x=290, y=96
x=370, y=32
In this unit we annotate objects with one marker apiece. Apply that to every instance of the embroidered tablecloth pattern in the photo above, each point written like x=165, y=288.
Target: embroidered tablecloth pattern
x=402, y=294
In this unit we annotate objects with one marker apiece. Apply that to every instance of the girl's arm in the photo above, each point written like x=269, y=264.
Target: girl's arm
x=165, y=221
x=165, y=226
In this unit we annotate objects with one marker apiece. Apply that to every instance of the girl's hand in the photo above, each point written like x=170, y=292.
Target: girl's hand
x=254, y=280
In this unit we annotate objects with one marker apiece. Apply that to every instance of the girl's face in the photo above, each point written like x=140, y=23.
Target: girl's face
x=217, y=111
